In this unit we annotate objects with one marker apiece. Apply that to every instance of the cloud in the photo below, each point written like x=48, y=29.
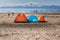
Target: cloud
x=15, y=4
x=12, y=4
x=28, y=4
x=38, y=4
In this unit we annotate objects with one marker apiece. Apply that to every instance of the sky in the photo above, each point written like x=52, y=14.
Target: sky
x=24, y=2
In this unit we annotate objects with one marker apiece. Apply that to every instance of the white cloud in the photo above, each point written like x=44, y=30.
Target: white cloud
x=13, y=4
x=27, y=4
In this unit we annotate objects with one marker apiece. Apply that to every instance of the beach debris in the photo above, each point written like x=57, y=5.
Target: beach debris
x=20, y=18
x=8, y=14
x=41, y=19
x=12, y=13
x=32, y=18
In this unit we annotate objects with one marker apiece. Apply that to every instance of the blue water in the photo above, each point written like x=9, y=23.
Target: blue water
x=29, y=9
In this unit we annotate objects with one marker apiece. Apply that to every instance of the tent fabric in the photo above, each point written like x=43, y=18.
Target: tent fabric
x=41, y=18
x=32, y=18
x=20, y=18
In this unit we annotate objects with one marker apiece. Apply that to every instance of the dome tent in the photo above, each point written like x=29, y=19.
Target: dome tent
x=41, y=19
x=20, y=18
x=32, y=18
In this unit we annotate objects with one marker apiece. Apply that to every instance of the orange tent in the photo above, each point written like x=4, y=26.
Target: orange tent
x=41, y=18
x=20, y=18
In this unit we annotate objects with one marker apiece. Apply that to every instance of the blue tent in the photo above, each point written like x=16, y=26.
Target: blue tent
x=32, y=18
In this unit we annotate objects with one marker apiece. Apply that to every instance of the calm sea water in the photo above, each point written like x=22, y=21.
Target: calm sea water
x=28, y=10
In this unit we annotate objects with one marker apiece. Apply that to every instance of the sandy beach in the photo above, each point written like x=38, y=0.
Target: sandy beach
x=49, y=30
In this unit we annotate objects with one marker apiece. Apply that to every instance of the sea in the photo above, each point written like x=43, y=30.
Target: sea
x=30, y=9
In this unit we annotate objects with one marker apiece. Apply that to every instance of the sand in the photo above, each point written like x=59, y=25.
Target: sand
x=49, y=30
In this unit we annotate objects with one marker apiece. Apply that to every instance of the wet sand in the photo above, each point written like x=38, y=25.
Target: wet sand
x=49, y=30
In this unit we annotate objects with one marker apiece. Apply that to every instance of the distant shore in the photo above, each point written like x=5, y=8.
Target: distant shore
x=34, y=13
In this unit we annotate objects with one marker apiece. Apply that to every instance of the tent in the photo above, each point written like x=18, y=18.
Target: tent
x=41, y=18
x=32, y=18
x=20, y=18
